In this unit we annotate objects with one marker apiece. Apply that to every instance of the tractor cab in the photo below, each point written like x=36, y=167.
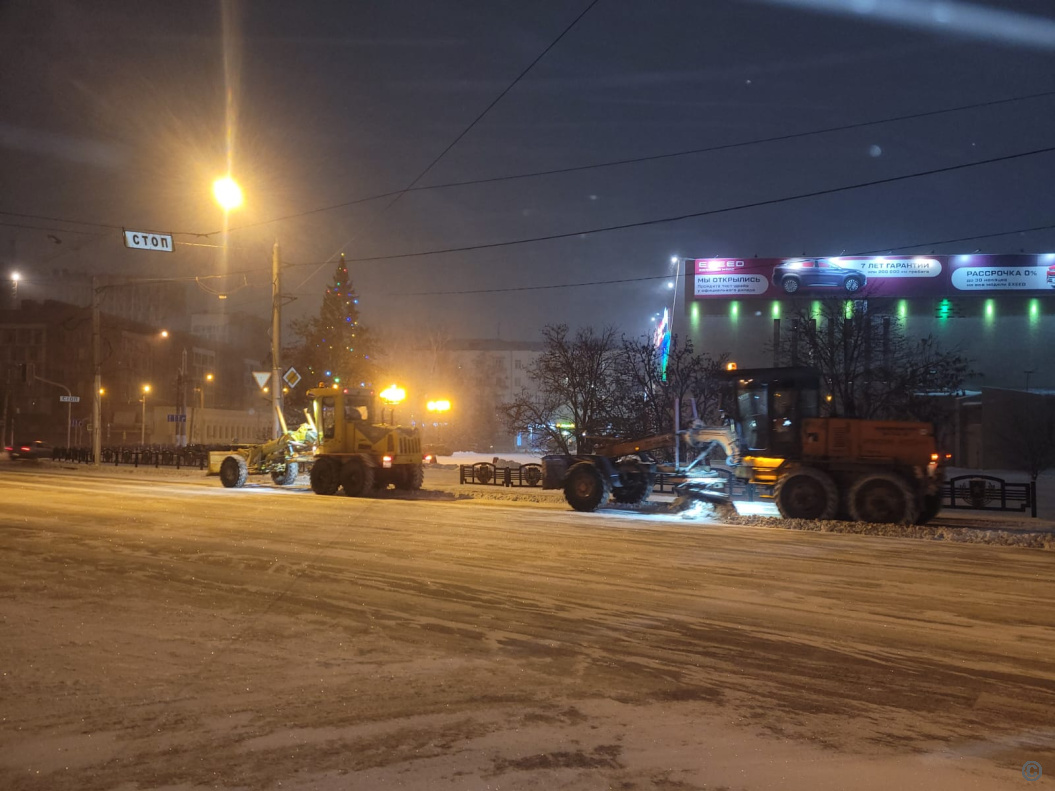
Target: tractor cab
x=768, y=407
x=341, y=414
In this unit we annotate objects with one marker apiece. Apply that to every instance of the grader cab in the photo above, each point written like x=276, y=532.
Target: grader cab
x=356, y=450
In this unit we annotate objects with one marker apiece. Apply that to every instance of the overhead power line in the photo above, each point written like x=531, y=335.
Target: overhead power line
x=495, y=101
x=542, y=173
x=396, y=196
x=668, y=276
x=25, y=227
x=638, y=160
x=705, y=213
x=961, y=239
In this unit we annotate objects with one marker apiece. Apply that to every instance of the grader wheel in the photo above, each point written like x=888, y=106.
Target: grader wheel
x=883, y=497
x=806, y=493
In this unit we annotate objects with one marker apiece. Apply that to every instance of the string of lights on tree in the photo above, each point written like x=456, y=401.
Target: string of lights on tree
x=338, y=352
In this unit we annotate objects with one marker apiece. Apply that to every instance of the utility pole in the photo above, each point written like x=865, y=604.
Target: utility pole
x=276, y=342
x=181, y=401
x=97, y=365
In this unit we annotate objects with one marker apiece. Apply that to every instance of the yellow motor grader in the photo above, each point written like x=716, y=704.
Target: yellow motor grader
x=356, y=450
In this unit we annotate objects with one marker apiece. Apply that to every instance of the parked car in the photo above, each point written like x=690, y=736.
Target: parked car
x=817, y=273
x=37, y=449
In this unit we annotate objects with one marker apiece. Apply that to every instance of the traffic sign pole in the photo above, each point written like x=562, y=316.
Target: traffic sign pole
x=69, y=398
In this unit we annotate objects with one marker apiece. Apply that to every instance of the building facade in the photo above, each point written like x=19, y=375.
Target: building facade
x=200, y=391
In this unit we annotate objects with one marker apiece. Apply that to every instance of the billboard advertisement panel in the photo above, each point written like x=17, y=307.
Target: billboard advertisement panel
x=870, y=277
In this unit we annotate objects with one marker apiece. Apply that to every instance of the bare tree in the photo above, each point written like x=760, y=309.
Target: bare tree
x=872, y=369
x=574, y=380
x=648, y=391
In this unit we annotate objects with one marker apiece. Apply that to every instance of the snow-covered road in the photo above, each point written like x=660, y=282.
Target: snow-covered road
x=172, y=634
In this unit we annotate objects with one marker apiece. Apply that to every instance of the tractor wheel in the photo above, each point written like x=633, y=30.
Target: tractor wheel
x=806, y=493
x=357, y=477
x=930, y=509
x=585, y=488
x=411, y=477
x=285, y=476
x=635, y=487
x=883, y=497
x=326, y=476
x=234, y=472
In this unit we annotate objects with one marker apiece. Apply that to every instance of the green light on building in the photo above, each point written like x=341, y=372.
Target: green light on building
x=944, y=309
x=1034, y=311
x=902, y=309
x=734, y=310
x=990, y=310
x=775, y=310
x=815, y=310
x=694, y=315
x=848, y=309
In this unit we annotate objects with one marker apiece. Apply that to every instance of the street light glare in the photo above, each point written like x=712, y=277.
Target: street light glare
x=146, y=388
x=227, y=192
x=16, y=276
x=393, y=394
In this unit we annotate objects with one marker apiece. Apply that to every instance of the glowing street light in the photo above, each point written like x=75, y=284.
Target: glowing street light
x=438, y=406
x=227, y=193
x=393, y=395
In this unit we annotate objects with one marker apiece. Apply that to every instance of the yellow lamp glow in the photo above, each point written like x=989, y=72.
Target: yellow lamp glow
x=393, y=394
x=227, y=193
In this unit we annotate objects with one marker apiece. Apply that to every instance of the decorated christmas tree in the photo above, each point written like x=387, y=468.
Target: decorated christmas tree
x=335, y=347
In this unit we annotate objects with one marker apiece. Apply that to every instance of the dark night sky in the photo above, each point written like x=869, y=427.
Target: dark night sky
x=113, y=113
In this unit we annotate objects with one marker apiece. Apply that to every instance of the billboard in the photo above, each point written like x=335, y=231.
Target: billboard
x=870, y=277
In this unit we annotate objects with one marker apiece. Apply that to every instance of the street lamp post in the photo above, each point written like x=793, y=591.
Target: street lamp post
x=197, y=413
x=143, y=434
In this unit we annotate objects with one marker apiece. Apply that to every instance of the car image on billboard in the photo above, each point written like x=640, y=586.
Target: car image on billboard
x=810, y=273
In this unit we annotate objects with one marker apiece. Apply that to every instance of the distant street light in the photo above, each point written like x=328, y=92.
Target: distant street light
x=439, y=407
x=15, y=277
x=143, y=435
x=227, y=193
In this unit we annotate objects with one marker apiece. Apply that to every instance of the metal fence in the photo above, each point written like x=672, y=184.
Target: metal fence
x=989, y=493
x=491, y=475
x=140, y=457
